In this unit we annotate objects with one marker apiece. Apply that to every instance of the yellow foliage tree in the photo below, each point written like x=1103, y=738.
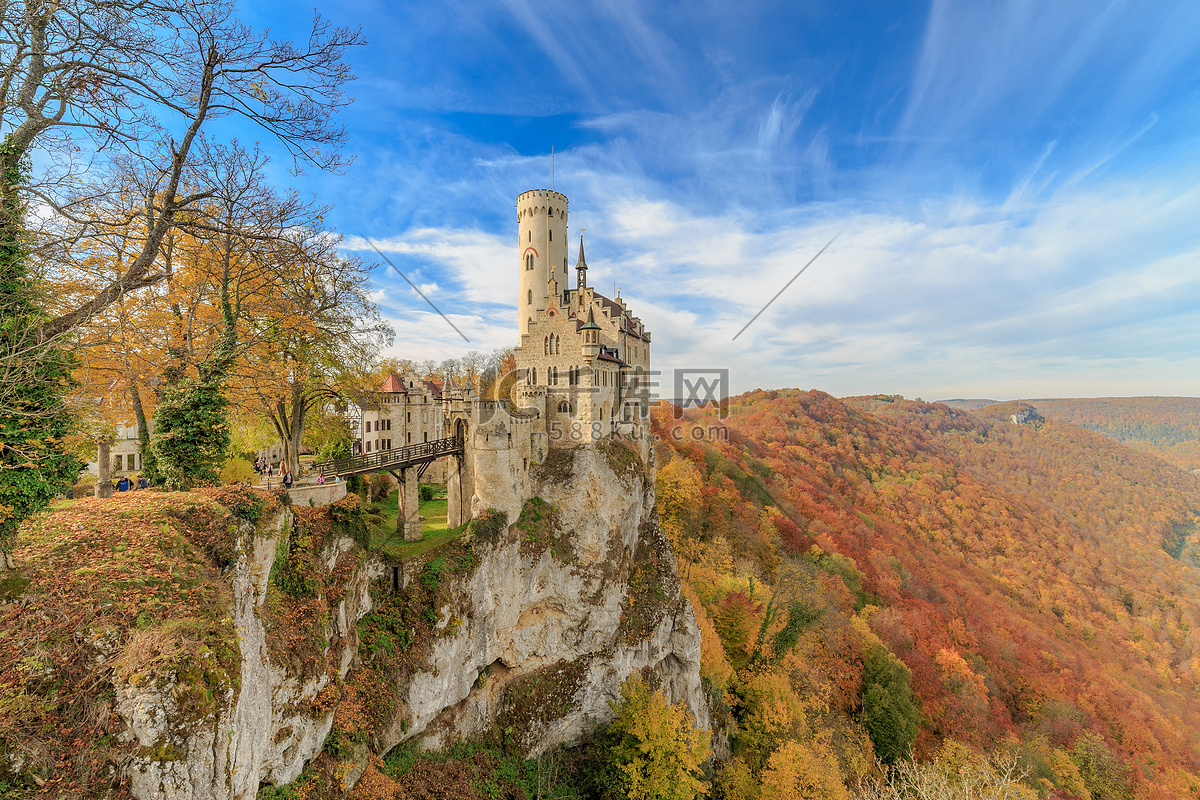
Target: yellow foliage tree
x=678, y=494
x=802, y=772
x=714, y=665
x=657, y=750
x=772, y=712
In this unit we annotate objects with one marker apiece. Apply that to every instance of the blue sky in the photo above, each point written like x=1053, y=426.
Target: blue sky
x=1016, y=184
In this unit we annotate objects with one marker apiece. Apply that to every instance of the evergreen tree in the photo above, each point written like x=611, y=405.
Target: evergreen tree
x=34, y=466
x=889, y=713
x=191, y=435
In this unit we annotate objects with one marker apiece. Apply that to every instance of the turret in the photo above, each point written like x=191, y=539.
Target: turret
x=591, y=338
x=541, y=251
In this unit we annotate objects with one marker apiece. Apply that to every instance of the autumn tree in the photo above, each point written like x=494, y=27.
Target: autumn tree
x=34, y=465
x=87, y=84
x=657, y=752
x=955, y=773
x=325, y=323
x=807, y=771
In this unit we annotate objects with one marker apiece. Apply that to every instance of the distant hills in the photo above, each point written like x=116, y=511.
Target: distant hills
x=968, y=405
x=1038, y=583
x=1168, y=427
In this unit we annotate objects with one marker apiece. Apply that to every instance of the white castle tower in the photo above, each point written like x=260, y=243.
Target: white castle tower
x=541, y=252
x=583, y=358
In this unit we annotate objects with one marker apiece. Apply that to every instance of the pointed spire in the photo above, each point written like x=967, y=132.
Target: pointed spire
x=590, y=325
x=580, y=270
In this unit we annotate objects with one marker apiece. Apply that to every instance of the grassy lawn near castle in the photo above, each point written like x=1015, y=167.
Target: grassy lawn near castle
x=433, y=526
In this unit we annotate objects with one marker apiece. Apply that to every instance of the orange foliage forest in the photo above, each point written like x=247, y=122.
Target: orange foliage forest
x=1040, y=582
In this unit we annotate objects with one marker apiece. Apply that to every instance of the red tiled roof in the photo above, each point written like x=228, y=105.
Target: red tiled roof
x=393, y=385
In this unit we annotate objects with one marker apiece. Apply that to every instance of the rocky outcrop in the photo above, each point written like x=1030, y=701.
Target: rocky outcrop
x=576, y=596
x=527, y=642
x=265, y=730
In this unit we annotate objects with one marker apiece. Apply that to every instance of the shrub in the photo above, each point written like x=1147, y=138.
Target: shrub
x=237, y=470
x=242, y=502
x=425, y=492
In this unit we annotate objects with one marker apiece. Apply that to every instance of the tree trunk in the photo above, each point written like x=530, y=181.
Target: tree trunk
x=104, y=487
x=147, y=471
x=297, y=428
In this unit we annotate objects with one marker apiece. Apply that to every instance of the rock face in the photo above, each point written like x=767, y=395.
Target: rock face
x=555, y=617
x=266, y=730
x=560, y=606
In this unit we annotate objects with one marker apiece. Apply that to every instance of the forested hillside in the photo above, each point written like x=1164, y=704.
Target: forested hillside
x=909, y=575
x=1168, y=427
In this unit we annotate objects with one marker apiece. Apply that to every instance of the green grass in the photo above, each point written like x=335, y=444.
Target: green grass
x=433, y=526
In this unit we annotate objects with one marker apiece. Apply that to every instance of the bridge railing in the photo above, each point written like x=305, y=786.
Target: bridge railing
x=391, y=459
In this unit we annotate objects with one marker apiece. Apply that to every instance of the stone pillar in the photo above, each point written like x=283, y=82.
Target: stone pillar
x=408, y=520
x=454, y=503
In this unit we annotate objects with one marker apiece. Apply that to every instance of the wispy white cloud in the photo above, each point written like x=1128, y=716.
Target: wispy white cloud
x=1015, y=184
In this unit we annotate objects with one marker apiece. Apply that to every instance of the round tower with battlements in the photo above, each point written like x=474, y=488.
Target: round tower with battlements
x=541, y=252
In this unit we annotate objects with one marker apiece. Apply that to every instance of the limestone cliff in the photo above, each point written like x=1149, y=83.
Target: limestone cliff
x=562, y=606
x=268, y=729
x=519, y=630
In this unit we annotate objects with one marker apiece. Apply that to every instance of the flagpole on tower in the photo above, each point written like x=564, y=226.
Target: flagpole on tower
x=551, y=167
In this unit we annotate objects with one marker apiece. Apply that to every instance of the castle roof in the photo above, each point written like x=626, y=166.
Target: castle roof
x=616, y=311
x=581, y=262
x=393, y=385
x=590, y=325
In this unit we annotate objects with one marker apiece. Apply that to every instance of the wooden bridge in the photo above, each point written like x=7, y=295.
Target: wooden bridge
x=420, y=455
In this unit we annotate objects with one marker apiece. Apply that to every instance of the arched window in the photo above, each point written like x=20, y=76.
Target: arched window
x=552, y=236
x=557, y=344
x=530, y=300
x=531, y=236
x=564, y=407
x=534, y=376
x=529, y=324
x=545, y=345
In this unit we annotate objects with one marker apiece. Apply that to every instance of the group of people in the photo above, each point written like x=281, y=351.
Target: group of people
x=125, y=484
x=268, y=469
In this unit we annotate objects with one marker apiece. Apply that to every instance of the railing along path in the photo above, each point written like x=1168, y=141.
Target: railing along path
x=409, y=455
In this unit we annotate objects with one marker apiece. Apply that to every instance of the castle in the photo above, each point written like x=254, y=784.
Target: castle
x=582, y=358
x=582, y=366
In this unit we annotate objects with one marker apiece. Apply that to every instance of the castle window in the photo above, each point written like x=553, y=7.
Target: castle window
x=531, y=236
x=545, y=345
x=552, y=236
x=564, y=407
x=534, y=381
x=530, y=300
